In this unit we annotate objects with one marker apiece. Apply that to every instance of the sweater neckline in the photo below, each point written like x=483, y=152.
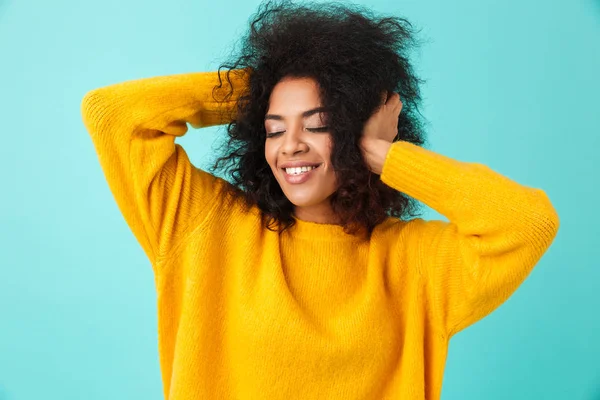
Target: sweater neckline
x=316, y=231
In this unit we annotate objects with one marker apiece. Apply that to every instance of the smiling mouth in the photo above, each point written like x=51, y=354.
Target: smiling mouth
x=300, y=170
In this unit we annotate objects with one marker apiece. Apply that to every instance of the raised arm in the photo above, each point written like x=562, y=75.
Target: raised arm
x=497, y=231
x=133, y=126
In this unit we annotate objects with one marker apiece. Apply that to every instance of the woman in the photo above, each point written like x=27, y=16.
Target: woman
x=306, y=278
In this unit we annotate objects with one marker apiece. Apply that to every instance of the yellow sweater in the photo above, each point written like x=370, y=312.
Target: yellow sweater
x=314, y=313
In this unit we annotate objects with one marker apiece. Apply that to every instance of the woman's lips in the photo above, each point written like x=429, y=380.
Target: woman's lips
x=300, y=178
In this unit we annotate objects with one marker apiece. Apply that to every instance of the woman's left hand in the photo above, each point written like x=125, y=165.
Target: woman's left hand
x=380, y=130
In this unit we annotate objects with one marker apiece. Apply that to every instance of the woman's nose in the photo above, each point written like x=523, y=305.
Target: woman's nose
x=293, y=142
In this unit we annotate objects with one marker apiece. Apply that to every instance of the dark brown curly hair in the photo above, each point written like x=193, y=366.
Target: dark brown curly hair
x=353, y=56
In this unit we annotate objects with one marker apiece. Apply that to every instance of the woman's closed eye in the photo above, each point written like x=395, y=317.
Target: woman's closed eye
x=319, y=129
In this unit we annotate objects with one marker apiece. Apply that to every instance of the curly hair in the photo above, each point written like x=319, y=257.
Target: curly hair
x=353, y=56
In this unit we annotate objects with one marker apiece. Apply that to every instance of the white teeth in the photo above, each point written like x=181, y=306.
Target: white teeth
x=298, y=170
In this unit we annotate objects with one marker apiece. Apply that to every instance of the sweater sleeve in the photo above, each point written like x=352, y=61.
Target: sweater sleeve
x=497, y=231
x=133, y=126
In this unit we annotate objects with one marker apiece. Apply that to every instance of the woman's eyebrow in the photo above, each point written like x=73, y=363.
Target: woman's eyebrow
x=305, y=114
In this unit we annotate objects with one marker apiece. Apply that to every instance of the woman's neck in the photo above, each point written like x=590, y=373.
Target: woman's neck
x=320, y=214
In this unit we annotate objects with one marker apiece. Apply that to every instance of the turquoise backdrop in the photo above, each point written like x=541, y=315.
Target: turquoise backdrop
x=513, y=84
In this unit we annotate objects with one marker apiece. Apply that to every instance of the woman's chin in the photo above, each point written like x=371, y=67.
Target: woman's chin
x=306, y=200
x=303, y=202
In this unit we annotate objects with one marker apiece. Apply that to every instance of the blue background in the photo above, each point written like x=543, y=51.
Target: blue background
x=512, y=84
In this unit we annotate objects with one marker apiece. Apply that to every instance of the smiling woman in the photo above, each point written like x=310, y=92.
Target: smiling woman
x=339, y=58
x=303, y=279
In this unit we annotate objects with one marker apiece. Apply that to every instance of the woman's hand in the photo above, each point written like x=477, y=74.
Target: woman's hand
x=380, y=130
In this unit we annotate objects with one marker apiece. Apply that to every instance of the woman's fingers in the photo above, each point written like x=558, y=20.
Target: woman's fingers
x=399, y=105
x=384, y=97
x=392, y=100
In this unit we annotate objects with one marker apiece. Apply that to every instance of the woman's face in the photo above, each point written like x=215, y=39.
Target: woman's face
x=298, y=144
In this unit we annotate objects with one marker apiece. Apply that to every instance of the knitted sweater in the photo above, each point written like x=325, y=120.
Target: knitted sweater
x=311, y=313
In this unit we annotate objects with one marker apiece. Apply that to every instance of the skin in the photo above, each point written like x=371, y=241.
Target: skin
x=292, y=137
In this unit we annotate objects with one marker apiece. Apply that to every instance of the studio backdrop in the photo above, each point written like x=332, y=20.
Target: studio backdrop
x=511, y=84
